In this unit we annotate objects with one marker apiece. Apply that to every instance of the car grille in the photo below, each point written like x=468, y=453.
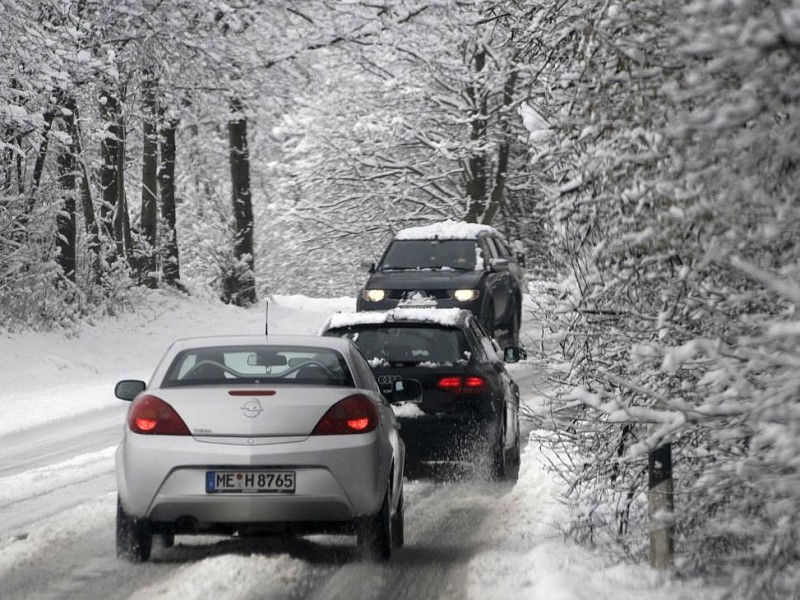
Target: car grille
x=407, y=294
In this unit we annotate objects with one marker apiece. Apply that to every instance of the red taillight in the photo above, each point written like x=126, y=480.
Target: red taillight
x=151, y=415
x=474, y=385
x=354, y=414
x=462, y=385
x=450, y=384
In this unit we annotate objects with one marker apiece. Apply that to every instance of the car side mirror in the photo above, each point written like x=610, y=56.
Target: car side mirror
x=406, y=390
x=128, y=389
x=368, y=265
x=513, y=354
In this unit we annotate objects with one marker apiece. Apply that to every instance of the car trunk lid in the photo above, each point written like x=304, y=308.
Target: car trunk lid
x=253, y=411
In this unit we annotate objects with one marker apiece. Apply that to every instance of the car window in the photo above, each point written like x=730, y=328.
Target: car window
x=406, y=344
x=494, y=252
x=365, y=373
x=430, y=254
x=483, y=344
x=258, y=364
x=502, y=247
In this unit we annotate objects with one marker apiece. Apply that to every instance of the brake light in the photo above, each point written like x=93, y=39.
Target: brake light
x=474, y=385
x=354, y=414
x=450, y=384
x=151, y=415
x=462, y=385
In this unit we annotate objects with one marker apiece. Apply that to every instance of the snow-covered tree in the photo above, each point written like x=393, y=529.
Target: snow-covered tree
x=672, y=157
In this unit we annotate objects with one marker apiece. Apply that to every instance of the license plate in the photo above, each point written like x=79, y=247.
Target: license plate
x=255, y=482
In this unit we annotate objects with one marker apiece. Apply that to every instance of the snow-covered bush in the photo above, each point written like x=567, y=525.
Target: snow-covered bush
x=673, y=152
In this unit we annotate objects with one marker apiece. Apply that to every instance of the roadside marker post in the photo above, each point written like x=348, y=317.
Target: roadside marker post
x=660, y=508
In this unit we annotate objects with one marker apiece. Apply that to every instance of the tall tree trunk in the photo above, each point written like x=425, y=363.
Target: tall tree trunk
x=166, y=185
x=122, y=220
x=497, y=197
x=144, y=260
x=66, y=229
x=476, y=169
x=109, y=151
x=41, y=155
x=239, y=284
x=87, y=206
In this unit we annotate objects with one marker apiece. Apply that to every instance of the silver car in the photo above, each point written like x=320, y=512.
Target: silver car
x=255, y=435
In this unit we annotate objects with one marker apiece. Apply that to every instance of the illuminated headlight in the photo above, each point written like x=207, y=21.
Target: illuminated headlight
x=466, y=295
x=374, y=295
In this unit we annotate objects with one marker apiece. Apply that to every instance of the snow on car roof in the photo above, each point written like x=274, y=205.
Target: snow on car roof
x=437, y=316
x=446, y=230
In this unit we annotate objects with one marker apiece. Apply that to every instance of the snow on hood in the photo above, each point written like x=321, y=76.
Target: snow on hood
x=446, y=230
x=438, y=316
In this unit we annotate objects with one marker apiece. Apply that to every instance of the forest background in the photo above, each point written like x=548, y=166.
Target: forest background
x=644, y=154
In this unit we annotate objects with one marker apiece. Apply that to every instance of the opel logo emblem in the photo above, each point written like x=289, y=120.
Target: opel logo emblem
x=252, y=408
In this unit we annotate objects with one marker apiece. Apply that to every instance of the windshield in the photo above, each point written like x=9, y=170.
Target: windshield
x=258, y=364
x=404, y=344
x=430, y=254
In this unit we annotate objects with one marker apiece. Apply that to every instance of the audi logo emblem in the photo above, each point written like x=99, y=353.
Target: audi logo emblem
x=388, y=379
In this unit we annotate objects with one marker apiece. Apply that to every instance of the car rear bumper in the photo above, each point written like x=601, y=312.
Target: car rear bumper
x=454, y=438
x=338, y=478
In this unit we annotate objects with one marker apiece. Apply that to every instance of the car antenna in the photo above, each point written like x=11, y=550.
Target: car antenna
x=266, y=318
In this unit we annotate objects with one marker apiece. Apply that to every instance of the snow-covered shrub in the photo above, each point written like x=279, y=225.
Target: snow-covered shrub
x=674, y=161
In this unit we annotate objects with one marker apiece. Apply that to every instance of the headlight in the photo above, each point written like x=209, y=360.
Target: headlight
x=374, y=295
x=466, y=295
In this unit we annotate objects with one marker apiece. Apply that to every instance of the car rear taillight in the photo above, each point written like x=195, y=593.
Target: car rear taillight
x=462, y=385
x=150, y=415
x=354, y=414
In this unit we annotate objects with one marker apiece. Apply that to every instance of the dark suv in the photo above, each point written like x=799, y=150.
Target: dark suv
x=468, y=416
x=450, y=265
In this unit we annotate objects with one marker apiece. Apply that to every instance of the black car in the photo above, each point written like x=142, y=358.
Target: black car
x=469, y=413
x=450, y=265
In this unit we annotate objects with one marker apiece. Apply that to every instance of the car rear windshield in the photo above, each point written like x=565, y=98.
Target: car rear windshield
x=430, y=254
x=301, y=365
x=407, y=344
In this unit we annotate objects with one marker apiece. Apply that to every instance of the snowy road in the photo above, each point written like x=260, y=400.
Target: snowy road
x=60, y=426
x=56, y=466
x=58, y=528
x=58, y=502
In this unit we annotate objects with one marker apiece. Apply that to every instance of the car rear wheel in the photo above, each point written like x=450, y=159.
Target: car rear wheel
x=166, y=539
x=375, y=533
x=505, y=463
x=513, y=461
x=134, y=536
x=513, y=327
x=398, y=524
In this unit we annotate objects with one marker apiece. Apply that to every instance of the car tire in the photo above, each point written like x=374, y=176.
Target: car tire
x=398, y=524
x=498, y=464
x=134, y=537
x=505, y=463
x=166, y=539
x=513, y=463
x=375, y=533
x=514, y=327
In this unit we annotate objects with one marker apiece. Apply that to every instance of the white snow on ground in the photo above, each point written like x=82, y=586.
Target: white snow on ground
x=49, y=376
x=277, y=572
x=33, y=482
x=527, y=556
